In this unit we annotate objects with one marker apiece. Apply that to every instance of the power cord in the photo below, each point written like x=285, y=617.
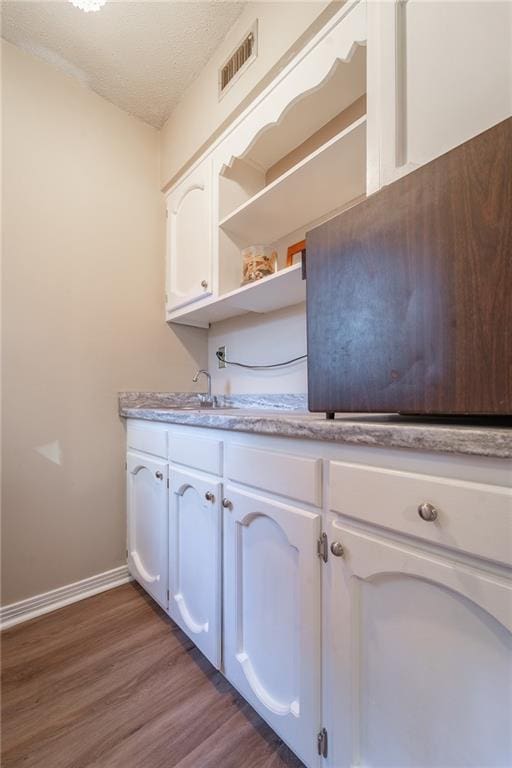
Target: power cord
x=222, y=359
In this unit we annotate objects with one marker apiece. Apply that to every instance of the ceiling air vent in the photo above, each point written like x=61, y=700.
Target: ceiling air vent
x=237, y=63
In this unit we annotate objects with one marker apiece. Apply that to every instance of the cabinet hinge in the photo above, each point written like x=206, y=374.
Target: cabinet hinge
x=168, y=595
x=168, y=482
x=321, y=742
x=321, y=547
x=126, y=465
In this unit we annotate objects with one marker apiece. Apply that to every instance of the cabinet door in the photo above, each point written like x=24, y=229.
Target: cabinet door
x=272, y=614
x=147, y=523
x=195, y=560
x=439, y=73
x=418, y=658
x=189, y=238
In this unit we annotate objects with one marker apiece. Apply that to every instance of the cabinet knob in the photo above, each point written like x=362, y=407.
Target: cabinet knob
x=204, y=284
x=227, y=504
x=337, y=549
x=159, y=475
x=209, y=496
x=427, y=512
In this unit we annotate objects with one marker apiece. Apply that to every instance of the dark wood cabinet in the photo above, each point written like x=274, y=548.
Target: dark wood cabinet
x=409, y=293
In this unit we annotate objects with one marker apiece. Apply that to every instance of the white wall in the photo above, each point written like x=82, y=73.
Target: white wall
x=260, y=339
x=83, y=317
x=200, y=116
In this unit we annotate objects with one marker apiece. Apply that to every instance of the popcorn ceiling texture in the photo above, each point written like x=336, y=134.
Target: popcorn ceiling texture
x=141, y=56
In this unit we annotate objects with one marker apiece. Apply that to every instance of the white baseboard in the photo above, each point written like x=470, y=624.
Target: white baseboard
x=58, y=598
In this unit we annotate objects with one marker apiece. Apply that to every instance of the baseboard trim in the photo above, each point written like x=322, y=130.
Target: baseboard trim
x=27, y=609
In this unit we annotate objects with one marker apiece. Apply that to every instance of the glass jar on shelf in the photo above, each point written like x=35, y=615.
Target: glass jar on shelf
x=258, y=261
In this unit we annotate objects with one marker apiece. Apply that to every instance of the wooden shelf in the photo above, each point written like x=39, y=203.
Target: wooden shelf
x=324, y=181
x=283, y=289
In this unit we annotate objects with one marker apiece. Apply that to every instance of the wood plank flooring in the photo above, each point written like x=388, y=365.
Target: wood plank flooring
x=111, y=682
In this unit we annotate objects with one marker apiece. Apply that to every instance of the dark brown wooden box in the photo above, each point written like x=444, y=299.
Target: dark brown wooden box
x=409, y=293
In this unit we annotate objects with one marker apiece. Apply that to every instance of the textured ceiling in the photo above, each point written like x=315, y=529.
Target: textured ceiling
x=141, y=56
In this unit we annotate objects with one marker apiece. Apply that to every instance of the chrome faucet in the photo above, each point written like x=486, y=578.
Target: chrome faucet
x=206, y=400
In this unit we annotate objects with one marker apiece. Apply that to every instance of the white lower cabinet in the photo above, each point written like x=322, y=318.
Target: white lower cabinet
x=418, y=666
x=195, y=560
x=394, y=646
x=272, y=614
x=147, y=523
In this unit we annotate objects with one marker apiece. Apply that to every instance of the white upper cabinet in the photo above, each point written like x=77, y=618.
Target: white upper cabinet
x=384, y=87
x=439, y=73
x=147, y=523
x=189, y=238
x=272, y=614
x=418, y=657
x=195, y=560
x=295, y=156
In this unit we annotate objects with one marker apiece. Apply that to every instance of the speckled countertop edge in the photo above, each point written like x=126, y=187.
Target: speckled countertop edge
x=297, y=423
x=283, y=402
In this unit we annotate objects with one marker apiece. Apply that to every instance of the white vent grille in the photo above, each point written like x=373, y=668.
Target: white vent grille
x=242, y=56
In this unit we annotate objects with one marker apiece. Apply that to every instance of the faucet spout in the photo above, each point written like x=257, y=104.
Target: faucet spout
x=205, y=399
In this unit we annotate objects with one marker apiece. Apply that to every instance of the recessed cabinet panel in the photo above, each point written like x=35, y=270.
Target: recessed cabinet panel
x=272, y=614
x=264, y=541
x=202, y=453
x=147, y=439
x=189, y=241
x=195, y=560
x=442, y=74
x=297, y=477
x=147, y=523
x=418, y=658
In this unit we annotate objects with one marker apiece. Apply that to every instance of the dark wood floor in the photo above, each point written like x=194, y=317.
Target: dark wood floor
x=111, y=681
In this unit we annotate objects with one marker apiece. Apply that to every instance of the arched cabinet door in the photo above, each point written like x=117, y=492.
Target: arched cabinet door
x=272, y=614
x=418, y=657
x=189, y=238
x=195, y=560
x=147, y=523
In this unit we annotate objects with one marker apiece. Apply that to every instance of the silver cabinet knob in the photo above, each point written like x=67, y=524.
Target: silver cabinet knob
x=427, y=512
x=209, y=496
x=227, y=504
x=337, y=549
x=159, y=475
x=204, y=284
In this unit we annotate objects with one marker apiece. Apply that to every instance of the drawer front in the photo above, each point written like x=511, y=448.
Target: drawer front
x=148, y=440
x=296, y=477
x=472, y=517
x=202, y=453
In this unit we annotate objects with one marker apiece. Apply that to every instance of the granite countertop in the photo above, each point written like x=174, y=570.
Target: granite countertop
x=287, y=416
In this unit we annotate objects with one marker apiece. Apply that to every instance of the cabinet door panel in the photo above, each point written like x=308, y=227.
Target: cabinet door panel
x=189, y=238
x=443, y=74
x=147, y=523
x=418, y=658
x=271, y=614
x=195, y=560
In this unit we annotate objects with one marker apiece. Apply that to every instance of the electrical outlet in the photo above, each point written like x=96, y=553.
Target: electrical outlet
x=222, y=352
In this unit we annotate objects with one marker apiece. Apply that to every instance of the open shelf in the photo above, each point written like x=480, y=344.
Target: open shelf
x=282, y=289
x=324, y=181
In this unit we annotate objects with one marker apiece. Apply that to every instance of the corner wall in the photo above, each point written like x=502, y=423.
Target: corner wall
x=83, y=317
